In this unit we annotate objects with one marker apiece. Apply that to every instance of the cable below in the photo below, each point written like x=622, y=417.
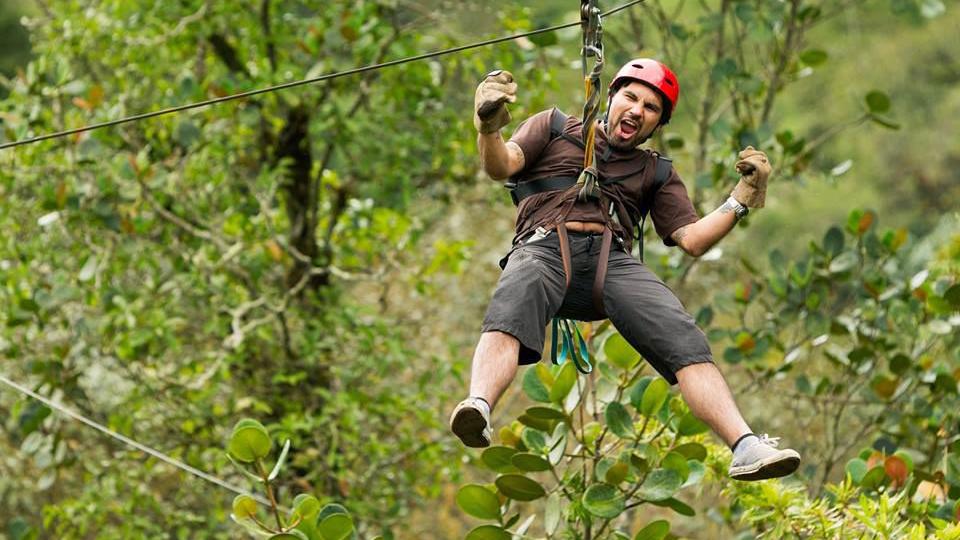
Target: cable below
x=130, y=442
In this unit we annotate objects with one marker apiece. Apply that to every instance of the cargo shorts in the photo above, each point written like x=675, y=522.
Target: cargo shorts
x=532, y=291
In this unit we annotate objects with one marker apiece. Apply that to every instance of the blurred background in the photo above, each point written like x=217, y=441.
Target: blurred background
x=320, y=258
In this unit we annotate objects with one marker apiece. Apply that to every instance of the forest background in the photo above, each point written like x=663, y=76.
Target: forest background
x=319, y=259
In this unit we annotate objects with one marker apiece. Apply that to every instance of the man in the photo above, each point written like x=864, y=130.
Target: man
x=562, y=264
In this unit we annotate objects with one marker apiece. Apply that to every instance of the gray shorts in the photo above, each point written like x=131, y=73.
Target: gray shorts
x=640, y=306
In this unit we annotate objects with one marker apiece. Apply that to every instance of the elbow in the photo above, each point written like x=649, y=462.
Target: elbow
x=496, y=172
x=496, y=175
x=696, y=252
x=693, y=249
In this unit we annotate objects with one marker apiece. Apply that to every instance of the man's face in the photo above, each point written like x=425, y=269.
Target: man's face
x=633, y=116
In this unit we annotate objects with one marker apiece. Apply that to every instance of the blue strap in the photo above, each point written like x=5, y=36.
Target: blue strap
x=567, y=336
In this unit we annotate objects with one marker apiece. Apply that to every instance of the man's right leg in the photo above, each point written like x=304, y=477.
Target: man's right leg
x=495, y=364
x=529, y=292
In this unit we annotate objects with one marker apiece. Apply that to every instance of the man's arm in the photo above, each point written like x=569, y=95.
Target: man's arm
x=499, y=160
x=698, y=237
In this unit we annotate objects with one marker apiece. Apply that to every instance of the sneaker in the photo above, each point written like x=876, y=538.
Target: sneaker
x=757, y=458
x=470, y=422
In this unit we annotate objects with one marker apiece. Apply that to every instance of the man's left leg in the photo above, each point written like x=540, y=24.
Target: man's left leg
x=708, y=396
x=655, y=323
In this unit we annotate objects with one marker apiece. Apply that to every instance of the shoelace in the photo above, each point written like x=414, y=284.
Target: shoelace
x=769, y=441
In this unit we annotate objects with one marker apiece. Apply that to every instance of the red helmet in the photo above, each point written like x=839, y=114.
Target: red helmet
x=653, y=74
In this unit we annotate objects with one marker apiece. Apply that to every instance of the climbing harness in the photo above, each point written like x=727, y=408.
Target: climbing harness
x=567, y=341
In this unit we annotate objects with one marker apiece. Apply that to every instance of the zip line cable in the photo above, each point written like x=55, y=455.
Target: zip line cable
x=130, y=442
x=329, y=76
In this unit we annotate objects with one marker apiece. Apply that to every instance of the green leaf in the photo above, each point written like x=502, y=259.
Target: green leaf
x=900, y=363
x=546, y=413
x=692, y=450
x=244, y=506
x=874, y=478
x=553, y=514
x=488, y=532
x=530, y=462
x=953, y=296
x=677, y=506
x=519, y=487
x=813, y=57
x=660, y=485
x=616, y=473
x=534, y=439
x=674, y=461
x=655, y=530
x=498, y=458
x=478, y=501
x=536, y=423
x=306, y=506
x=292, y=535
x=844, y=263
x=833, y=241
x=565, y=381
x=618, y=419
x=636, y=393
x=591, y=431
x=877, y=101
x=697, y=472
x=249, y=441
x=603, y=500
x=690, y=425
x=534, y=387
x=335, y=527
x=654, y=397
x=619, y=352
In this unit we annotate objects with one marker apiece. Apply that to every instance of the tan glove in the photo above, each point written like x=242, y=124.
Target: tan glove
x=754, y=169
x=490, y=112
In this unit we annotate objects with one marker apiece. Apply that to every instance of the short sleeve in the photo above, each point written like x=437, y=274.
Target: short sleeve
x=533, y=135
x=672, y=208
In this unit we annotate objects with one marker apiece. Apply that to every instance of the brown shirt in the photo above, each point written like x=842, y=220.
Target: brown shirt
x=544, y=158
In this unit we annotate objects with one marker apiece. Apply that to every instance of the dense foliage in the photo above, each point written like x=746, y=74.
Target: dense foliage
x=317, y=258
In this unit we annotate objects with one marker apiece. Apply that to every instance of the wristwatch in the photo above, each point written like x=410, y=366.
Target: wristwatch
x=739, y=210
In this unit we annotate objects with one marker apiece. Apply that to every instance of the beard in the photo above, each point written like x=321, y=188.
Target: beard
x=617, y=141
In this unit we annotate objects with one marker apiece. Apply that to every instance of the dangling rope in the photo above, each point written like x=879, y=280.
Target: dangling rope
x=592, y=48
x=567, y=341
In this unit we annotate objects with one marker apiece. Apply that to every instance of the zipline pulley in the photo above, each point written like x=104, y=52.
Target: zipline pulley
x=592, y=26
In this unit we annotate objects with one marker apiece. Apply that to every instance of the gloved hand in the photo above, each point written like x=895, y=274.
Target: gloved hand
x=754, y=169
x=490, y=112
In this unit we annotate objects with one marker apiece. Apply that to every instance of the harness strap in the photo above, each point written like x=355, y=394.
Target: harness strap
x=601, y=275
x=565, y=253
x=521, y=191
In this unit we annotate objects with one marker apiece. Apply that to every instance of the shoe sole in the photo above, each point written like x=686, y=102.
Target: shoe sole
x=774, y=467
x=468, y=425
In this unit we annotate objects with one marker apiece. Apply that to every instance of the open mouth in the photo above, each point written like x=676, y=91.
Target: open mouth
x=628, y=128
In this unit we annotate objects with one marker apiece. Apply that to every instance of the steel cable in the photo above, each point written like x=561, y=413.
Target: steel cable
x=312, y=80
x=130, y=442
